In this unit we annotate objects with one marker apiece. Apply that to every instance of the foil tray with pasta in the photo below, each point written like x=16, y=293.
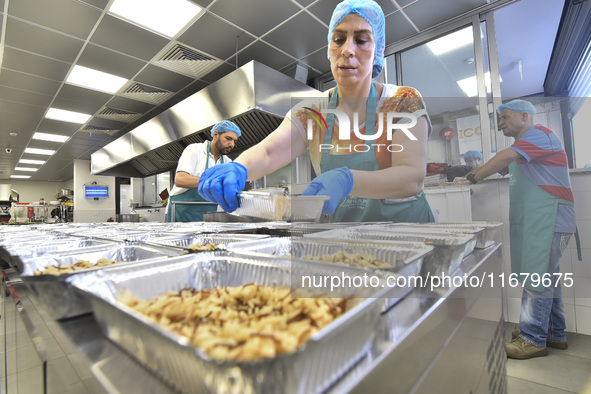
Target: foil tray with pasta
x=403, y=260
x=486, y=232
x=28, y=250
x=312, y=368
x=449, y=248
x=54, y=293
x=205, y=241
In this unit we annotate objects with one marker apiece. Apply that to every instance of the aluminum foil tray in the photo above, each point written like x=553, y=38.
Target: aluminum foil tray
x=29, y=250
x=311, y=369
x=12, y=241
x=184, y=241
x=278, y=207
x=431, y=234
x=448, y=250
x=57, y=296
x=484, y=238
x=403, y=259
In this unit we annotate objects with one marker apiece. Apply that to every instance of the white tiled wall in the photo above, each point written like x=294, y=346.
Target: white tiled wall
x=490, y=202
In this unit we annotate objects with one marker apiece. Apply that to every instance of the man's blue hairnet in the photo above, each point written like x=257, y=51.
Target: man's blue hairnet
x=225, y=125
x=472, y=154
x=518, y=106
x=373, y=14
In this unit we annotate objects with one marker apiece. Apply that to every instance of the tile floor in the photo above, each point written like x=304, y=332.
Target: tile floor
x=560, y=372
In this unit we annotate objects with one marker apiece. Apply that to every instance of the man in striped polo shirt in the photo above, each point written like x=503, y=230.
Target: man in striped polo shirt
x=542, y=220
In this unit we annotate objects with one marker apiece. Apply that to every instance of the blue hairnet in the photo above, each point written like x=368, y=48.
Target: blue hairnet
x=225, y=125
x=518, y=106
x=472, y=154
x=373, y=14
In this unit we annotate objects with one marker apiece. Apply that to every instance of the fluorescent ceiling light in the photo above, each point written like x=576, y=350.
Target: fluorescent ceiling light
x=67, y=116
x=451, y=41
x=97, y=80
x=21, y=176
x=29, y=161
x=164, y=17
x=50, y=137
x=35, y=151
x=25, y=169
x=470, y=86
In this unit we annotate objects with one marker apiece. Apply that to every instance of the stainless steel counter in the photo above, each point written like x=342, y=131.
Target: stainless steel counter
x=445, y=339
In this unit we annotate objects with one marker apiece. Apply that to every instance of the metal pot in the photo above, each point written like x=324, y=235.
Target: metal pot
x=128, y=217
x=66, y=192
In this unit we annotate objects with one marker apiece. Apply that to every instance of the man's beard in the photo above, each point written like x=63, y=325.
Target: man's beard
x=220, y=147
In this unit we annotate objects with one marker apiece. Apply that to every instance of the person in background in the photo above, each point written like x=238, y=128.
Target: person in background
x=195, y=159
x=542, y=220
x=367, y=175
x=473, y=158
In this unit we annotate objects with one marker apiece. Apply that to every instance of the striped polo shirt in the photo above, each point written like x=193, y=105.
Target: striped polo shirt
x=545, y=163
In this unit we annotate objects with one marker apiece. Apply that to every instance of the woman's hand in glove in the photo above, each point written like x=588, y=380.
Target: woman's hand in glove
x=222, y=183
x=336, y=183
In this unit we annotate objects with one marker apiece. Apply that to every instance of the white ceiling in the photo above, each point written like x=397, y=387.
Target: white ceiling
x=43, y=40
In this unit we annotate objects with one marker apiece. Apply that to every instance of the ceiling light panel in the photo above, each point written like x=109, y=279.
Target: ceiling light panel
x=50, y=137
x=451, y=41
x=164, y=17
x=96, y=80
x=35, y=151
x=21, y=176
x=470, y=85
x=29, y=161
x=30, y=169
x=67, y=116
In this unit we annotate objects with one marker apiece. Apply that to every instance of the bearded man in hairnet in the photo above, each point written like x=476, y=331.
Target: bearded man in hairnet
x=367, y=140
x=542, y=220
x=195, y=159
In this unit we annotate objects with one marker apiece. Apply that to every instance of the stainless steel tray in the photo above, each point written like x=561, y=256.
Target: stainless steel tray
x=448, y=250
x=310, y=369
x=279, y=207
x=57, y=296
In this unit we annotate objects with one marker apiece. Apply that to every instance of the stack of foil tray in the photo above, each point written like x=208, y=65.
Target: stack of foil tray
x=449, y=248
x=54, y=293
x=313, y=368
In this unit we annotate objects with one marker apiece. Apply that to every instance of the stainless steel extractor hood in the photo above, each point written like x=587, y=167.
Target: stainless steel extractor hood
x=255, y=97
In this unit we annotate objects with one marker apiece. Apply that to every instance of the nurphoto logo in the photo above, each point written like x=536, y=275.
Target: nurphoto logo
x=345, y=127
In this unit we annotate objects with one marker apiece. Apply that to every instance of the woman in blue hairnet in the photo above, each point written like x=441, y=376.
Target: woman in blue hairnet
x=195, y=159
x=367, y=141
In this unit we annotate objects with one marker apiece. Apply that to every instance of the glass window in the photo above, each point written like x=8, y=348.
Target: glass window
x=581, y=134
x=153, y=186
x=443, y=70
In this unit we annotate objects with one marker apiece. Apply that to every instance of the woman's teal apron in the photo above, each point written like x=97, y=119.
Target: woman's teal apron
x=532, y=218
x=190, y=213
x=357, y=209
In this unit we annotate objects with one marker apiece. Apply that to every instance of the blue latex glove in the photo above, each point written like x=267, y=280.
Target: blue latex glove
x=336, y=183
x=221, y=183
